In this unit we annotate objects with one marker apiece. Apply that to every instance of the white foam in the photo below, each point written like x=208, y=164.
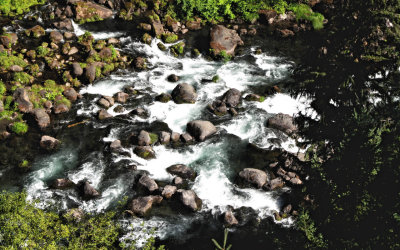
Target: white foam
x=96, y=35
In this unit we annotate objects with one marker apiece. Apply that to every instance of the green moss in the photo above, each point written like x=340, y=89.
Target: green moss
x=43, y=50
x=178, y=49
x=224, y=56
x=161, y=46
x=17, y=7
x=19, y=128
x=34, y=69
x=146, y=38
x=7, y=61
x=3, y=88
x=262, y=98
x=24, y=164
x=215, y=78
x=98, y=72
x=169, y=37
x=64, y=101
x=108, y=68
x=22, y=77
x=304, y=12
x=153, y=138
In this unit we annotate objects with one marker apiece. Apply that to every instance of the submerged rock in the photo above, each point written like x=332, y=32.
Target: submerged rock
x=230, y=219
x=173, y=78
x=190, y=199
x=232, y=98
x=254, y=176
x=201, y=129
x=116, y=146
x=142, y=205
x=62, y=184
x=184, y=93
x=103, y=114
x=224, y=39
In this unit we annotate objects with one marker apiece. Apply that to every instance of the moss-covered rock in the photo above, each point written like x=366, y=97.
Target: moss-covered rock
x=169, y=37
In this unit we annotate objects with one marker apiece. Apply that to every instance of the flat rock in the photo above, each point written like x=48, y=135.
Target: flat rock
x=224, y=39
x=201, y=129
x=254, y=176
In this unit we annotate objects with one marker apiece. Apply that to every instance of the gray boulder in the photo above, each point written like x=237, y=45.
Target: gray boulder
x=184, y=93
x=41, y=117
x=224, y=39
x=49, y=143
x=149, y=184
x=254, y=176
x=190, y=199
x=201, y=129
x=168, y=191
x=142, y=205
x=282, y=122
x=182, y=171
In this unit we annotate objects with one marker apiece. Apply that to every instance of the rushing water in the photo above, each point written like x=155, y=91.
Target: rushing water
x=217, y=161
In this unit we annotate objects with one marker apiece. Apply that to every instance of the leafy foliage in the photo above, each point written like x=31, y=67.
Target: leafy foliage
x=17, y=7
x=19, y=128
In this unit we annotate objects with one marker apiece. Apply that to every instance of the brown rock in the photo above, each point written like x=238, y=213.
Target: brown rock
x=282, y=122
x=201, y=129
x=77, y=69
x=142, y=205
x=62, y=184
x=182, y=171
x=15, y=68
x=230, y=219
x=121, y=97
x=61, y=108
x=224, y=39
x=254, y=176
x=71, y=94
x=21, y=97
x=169, y=191
x=190, y=199
x=148, y=183
x=103, y=114
x=89, y=10
x=194, y=24
x=56, y=36
x=41, y=117
x=184, y=93
x=49, y=143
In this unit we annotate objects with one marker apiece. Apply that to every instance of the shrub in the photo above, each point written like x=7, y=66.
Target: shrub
x=22, y=78
x=3, y=88
x=169, y=37
x=19, y=128
x=6, y=61
x=303, y=11
x=17, y=7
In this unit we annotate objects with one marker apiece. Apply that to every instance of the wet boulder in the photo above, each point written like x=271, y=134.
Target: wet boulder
x=140, y=63
x=91, y=11
x=218, y=108
x=201, y=129
x=90, y=72
x=60, y=108
x=64, y=24
x=145, y=152
x=168, y=191
x=37, y=31
x=147, y=183
x=142, y=205
x=15, y=68
x=8, y=39
x=254, y=176
x=158, y=28
x=49, y=143
x=143, y=139
x=187, y=138
x=71, y=94
x=87, y=191
x=63, y=183
x=77, y=69
x=105, y=102
x=194, y=24
x=103, y=114
x=22, y=99
x=121, y=97
x=182, y=171
x=230, y=219
x=224, y=39
x=173, y=78
x=56, y=36
x=282, y=122
x=184, y=93
x=232, y=98
x=175, y=136
x=165, y=137
x=116, y=146
x=190, y=199
x=275, y=184
x=41, y=117
x=163, y=97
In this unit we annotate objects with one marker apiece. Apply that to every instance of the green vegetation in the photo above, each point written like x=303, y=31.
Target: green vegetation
x=3, y=88
x=224, y=245
x=43, y=50
x=17, y=7
x=215, y=78
x=169, y=37
x=178, y=49
x=224, y=56
x=24, y=164
x=303, y=11
x=7, y=61
x=22, y=78
x=19, y=128
x=153, y=138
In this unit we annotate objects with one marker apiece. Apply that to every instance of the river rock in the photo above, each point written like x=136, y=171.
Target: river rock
x=41, y=117
x=73, y=51
x=168, y=191
x=64, y=24
x=15, y=68
x=144, y=139
x=282, y=122
x=103, y=114
x=194, y=24
x=49, y=143
x=158, y=28
x=71, y=94
x=75, y=214
x=254, y=176
x=224, y=39
x=87, y=191
x=140, y=63
x=173, y=78
x=22, y=99
x=56, y=36
x=149, y=184
x=89, y=10
x=187, y=138
x=230, y=219
x=90, y=72
x=104, y=103
x=1, y=106
x=190, y=199
x=177, y=181
x=60, y=108
x=121, y=97
x=165, y=137
x=37, y=31
x=116, y=146
x=145, y=152
x=62, y=184
x=77, y=69
x=8, y=39
x=142, y=205
x=275, y=184
x=182, y=171
x=175, y=136
x=201, y=129
x=232, y=98
x=184, y=93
